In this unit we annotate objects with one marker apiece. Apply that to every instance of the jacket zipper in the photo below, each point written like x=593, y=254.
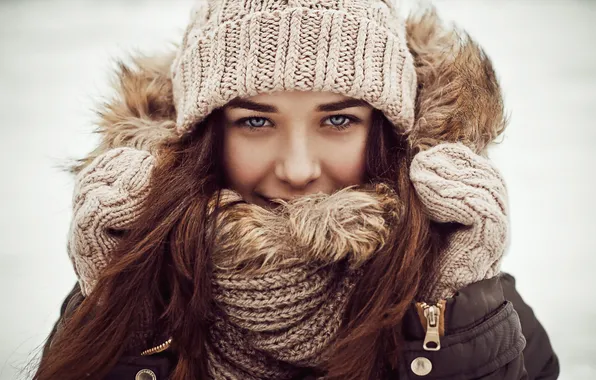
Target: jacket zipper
x=160, y=348
x=432, y=339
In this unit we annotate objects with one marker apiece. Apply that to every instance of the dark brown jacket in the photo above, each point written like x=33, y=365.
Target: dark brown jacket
x=487, y=332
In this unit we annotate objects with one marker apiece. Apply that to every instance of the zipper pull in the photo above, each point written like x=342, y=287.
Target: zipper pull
x=432, y=339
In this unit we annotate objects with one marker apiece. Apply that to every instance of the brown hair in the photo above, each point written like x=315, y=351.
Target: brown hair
x=162, y=264
x=369, y=341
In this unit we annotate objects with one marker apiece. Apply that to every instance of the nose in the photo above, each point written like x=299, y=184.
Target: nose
x=298, y=166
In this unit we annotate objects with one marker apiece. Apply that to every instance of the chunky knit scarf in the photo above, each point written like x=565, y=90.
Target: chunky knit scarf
x=283, y=278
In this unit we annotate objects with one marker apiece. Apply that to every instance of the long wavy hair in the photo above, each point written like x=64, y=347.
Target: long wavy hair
x=163, y=263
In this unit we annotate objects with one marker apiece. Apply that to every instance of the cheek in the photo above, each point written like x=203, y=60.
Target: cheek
x=345, y=161
x=244, y=165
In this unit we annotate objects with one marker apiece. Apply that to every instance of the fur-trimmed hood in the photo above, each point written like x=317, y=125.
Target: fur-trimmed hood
x=458, y=97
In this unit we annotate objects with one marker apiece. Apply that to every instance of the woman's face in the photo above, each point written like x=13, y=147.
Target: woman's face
x=288, y=144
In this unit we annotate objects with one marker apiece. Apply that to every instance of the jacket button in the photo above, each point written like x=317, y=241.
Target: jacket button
x=145, y=374
x=421, y=366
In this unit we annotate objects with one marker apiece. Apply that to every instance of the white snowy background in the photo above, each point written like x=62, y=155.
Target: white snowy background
x=55, y=57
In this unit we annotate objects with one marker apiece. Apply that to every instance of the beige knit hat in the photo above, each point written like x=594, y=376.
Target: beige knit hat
x=240, y=48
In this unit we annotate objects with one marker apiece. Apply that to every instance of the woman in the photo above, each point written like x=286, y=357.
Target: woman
x=301, y=192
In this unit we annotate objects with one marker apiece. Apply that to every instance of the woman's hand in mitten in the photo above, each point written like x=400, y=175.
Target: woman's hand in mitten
x=108, y=197
x=458, y=186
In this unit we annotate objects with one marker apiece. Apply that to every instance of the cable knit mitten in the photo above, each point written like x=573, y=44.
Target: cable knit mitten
x=108, y=197
x=457, y=185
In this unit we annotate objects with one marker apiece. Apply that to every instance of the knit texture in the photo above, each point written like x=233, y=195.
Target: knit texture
x=283, y=276
x=458, y=186
x=357, y=48
x=108, y=197
x=270, y=325
x=241, y=48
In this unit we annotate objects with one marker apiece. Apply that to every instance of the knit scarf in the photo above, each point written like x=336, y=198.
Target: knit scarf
x=283, y=277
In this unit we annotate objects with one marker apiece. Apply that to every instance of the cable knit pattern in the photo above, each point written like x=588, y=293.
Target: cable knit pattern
x=280, y=308
x=279, y=304
x=241, y=48
x=458, y=186
x=109, y=194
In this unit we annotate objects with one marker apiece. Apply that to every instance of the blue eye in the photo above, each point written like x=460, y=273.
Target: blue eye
x=252, y=122
x=338, y=120
x=341, y=121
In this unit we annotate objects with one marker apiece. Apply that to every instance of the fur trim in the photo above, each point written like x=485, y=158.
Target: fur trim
x=349, y=224
x=141, y=114
x=458, y=97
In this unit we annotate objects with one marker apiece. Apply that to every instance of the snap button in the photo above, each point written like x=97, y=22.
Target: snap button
x=421, y=366
x=145, y=374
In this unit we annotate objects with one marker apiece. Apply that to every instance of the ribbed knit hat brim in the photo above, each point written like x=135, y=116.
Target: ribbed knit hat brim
x=296, y=49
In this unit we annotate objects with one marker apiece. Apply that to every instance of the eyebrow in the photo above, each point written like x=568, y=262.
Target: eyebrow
x=327, y=107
